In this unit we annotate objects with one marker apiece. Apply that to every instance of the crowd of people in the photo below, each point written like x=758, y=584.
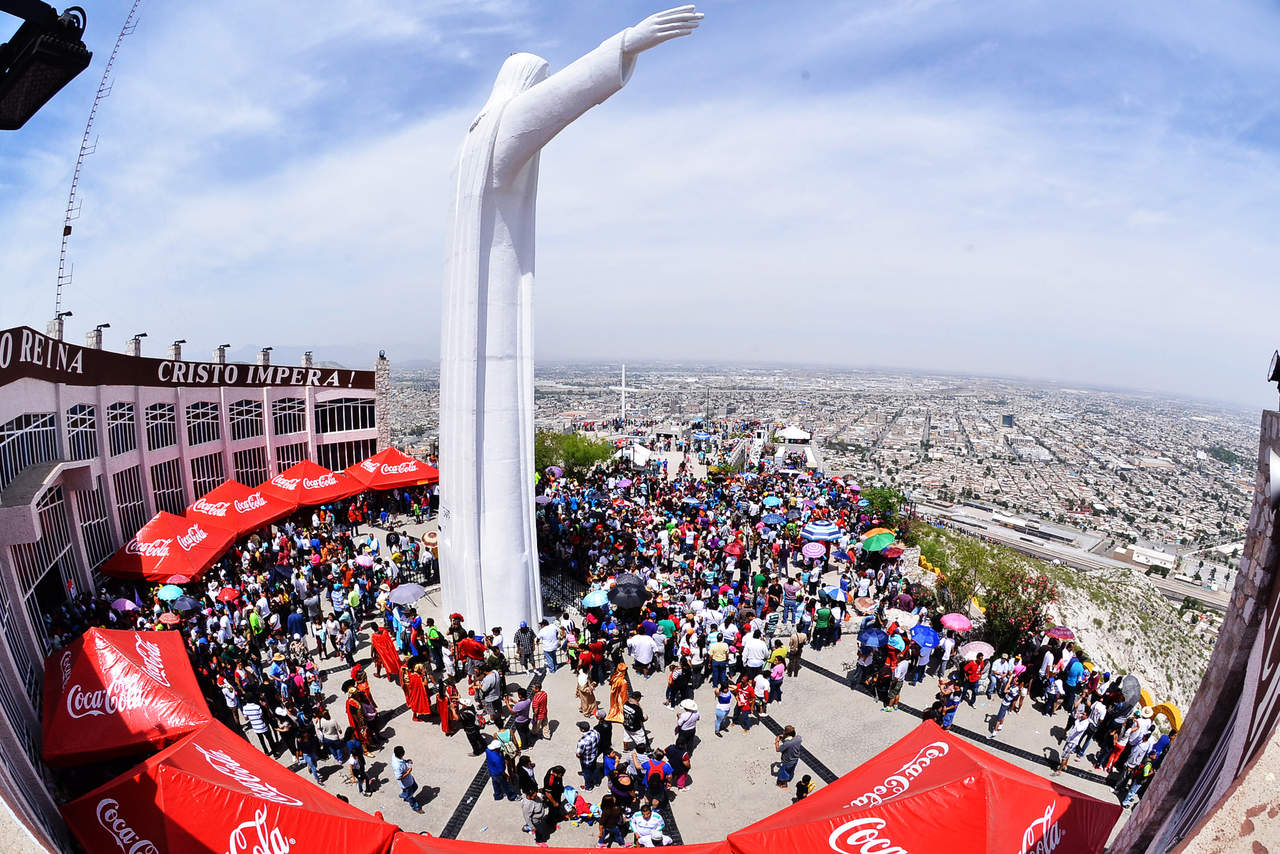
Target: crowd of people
x=687, y=583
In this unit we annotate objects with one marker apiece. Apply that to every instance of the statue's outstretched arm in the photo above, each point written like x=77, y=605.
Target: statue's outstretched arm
x=536, y=115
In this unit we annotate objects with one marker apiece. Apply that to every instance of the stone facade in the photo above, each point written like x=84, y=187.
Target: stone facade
x=382, y=398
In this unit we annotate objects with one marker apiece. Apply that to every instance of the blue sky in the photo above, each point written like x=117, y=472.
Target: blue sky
x=1087, y=192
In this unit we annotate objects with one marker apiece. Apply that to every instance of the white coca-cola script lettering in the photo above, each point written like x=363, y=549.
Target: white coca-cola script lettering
x=285, y=482
x=155, y=548
x=321, y=481
x=251, y=502
x=122, y=695
x=194, y=536
x=255, y=837
x=211, y=508
x=862, y=836
x=125, y=836
x=237, y=772
x=65, y=666
x=152, y=660
x=400, y=468
x=900, y=781
x=1043, y=835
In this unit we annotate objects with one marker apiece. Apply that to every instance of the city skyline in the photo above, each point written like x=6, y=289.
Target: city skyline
x=1063, y=195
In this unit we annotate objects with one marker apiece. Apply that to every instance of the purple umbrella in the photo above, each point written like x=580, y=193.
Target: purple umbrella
x=624, y=483
x=542, y=499
x=556, y=470
x=813, y=550
x=364, y=560
x=903, y=601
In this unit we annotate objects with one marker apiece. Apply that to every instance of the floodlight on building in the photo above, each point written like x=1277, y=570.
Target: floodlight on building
x=139, y=336
x=102, y=326
x=44, y=55
x=1273, y=372
x=180, y=341
x=62, y=314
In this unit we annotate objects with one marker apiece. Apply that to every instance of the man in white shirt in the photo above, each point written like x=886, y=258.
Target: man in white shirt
x=642, y=649
x=754, y=653
x=1000, y=668
x=648, y=827
x=550, y=636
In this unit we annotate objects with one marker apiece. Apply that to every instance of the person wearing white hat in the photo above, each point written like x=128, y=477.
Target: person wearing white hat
x=687, y=718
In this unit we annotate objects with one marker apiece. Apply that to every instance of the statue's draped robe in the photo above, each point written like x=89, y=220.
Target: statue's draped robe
x=488, y=541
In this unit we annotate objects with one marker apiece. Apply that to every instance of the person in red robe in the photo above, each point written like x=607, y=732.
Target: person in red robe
x=385, y=656
x=415, y=692
x=448, y=704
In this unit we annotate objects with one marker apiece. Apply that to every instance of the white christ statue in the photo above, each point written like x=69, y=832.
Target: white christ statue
x=488, y=540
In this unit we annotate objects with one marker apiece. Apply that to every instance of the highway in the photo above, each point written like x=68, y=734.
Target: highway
x=964, y=518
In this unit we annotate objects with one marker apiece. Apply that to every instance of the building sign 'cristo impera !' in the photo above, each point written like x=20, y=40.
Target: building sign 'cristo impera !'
x=25, y=352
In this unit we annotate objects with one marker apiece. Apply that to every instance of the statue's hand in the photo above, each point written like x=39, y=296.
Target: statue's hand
x=660, y=27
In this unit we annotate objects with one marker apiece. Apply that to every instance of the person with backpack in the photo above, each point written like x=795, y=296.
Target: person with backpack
x=633, y=718
x=655, y=772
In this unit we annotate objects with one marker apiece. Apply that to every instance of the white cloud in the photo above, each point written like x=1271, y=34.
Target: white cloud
x=887, y=220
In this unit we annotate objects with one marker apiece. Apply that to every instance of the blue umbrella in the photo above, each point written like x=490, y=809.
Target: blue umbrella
x=841, y=555
x=897, y=642
x=821, y=531
x=773, y=519
x=169, y=592
x=925, y=636
x=836, y=593
x=595, y=599
x=874, y=638
x=772, y=501
x=693, y=502
x=862, y=502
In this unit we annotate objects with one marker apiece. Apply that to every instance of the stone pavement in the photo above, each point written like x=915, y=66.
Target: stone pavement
x=732, y=782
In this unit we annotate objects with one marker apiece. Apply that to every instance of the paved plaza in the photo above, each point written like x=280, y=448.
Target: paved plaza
x=731, y=777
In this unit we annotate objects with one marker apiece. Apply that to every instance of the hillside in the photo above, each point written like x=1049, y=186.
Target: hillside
x=1122, y=622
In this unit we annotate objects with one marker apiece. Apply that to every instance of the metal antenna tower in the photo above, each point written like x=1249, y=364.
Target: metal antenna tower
x=74, y=203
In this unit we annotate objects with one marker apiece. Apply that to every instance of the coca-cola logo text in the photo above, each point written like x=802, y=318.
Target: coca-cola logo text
x=126, y=837
x=862, y=836
x=321, y=481
x=211, y=508
x=155, y=548
x=900, y=781
x=285, y=482
x=224, y=763
x=1043, y=835
x=251, y=502
x=399, y=468
x=152, y=660
x=256, y=838
x=122, y=695
x=194, y=536
x=65, y=665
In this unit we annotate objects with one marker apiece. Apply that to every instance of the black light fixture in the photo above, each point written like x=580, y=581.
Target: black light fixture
x=1273, y=372
x=62, y=314
x=102, y=326
x=179, y=342
x=44, y=55
x=139, y=336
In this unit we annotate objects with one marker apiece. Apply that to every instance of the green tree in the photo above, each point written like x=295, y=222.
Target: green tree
x=884, y=502
x=575, y=453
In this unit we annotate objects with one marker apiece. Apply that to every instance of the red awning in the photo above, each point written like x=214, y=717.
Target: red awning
x=308, y=484
x=417, y=843
x=390, y=468
x=212, y=791
x=169, y=545
x=112, y=693
x=239, y=507
x=932, y=791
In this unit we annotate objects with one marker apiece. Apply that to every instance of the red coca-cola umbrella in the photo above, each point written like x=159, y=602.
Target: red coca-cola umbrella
x=390, y=469
x=169, y=546
x=212, y=791
x=933, y=791
x=241, y=508
x=308, y=484
x=112, y=693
